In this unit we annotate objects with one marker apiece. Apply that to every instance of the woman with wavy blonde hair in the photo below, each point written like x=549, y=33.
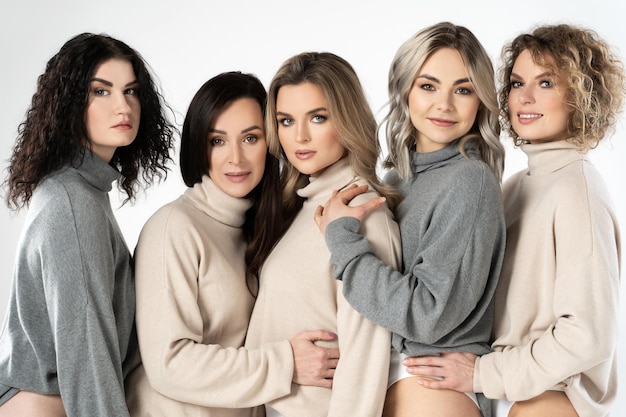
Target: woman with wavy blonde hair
x=320, y=125
x=557, y=301
x=442, y=131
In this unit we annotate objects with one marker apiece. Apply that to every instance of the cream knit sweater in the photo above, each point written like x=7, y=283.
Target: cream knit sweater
x=298, y=292
x=557, y=300
x=193, y=308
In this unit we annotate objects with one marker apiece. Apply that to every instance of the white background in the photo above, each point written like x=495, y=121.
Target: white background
x=187, y=42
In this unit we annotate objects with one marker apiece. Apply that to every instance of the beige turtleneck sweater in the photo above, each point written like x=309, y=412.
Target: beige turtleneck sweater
x=193, y=308
x=298, y=292
x=557, y=300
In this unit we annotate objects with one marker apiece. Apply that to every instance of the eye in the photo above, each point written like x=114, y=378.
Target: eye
x=545, y=83
x=516, y=84
x=131, y=91
x=285, y=121
x=216, y=141
x=100, y=92
x=427, y=87
x=250, y=139
x=464, y=91
x=318, y=118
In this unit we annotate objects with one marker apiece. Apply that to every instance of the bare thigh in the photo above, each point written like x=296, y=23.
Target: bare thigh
x=30, y=404
x=407, y=398
x=548, y=404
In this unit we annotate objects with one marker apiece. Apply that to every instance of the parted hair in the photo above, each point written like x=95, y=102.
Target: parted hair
x=352, y=118
x=406, y=64
x=591, y=75
x=262, y=219
x=54, y=132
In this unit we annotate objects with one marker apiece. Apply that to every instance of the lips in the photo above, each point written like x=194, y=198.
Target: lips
x=237, y=176
x=123, y=126
x=525, y=118
x=304, y=154
x=441, y=122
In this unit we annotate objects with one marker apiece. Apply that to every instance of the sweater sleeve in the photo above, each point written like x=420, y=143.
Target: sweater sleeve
x=78, y=266
x=578, y=348
x=179, y=364
x=446, y=276
x=359, y=390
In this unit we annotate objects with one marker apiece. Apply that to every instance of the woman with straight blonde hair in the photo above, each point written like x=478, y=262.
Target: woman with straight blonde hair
x=321, y=127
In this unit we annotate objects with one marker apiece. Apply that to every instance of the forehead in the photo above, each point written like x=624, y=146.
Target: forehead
x=115, y=69
x=303, y=96
x=445, y=62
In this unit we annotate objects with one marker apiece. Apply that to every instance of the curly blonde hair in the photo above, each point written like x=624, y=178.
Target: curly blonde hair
x=593, y=76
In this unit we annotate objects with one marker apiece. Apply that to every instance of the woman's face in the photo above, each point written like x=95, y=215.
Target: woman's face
x=537, y=108
x=305, y=128
x=113, y=111
x=237, y=148
x=442, y=102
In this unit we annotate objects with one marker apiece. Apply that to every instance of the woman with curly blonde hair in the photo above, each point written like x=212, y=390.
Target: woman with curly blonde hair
x=557, y=300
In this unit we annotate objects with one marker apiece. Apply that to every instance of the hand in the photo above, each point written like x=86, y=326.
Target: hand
x=314, y=365
x=456, y=369
x=337, y=206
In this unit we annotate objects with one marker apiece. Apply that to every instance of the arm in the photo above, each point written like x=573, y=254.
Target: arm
x=451, y=269
x=179, y=362
x=79, y=279
x=357, y=390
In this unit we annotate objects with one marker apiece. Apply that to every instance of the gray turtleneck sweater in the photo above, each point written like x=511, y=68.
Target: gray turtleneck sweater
x=453, y=236
x=69, y=323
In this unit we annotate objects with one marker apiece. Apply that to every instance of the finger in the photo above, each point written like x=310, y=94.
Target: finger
x=433, y=384
x=314, y=335
x=373, y=204
x=422, y=361
x=425, y=371
x=319, y=211
x=349, y=193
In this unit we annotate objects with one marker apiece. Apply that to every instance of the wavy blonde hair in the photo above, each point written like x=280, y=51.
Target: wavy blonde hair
x=402, y=135
x=593, y=76
x=352, y=119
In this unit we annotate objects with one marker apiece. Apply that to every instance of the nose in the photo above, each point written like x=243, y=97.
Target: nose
x=236, y=153
x=122, y=106
x=302, y=133
x=444, y=101
x=526, y=95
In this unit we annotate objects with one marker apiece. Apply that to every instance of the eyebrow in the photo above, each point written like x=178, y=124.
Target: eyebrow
x=435, y=79
x=312, y=111
x=110, y=84
x=246, y=130
x=543, y=74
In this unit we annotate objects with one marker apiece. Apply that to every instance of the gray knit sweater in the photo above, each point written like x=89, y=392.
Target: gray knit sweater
x=453, y=237
x=69, y=323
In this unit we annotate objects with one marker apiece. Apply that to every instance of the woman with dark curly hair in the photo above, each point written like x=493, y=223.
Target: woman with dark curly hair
x=68, y=336
x=556, y=305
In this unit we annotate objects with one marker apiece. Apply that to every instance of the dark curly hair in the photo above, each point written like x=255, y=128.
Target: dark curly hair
x=54, y=132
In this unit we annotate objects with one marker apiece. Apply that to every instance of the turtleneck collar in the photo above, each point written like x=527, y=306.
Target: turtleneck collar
x=545, y=158
x=425, y=161
x=336, y=176
x=95, y=171
x=210, y=199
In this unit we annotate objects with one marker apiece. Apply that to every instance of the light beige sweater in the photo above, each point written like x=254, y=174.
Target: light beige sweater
x=298, y=292
x=193, y=308
x=557, y=300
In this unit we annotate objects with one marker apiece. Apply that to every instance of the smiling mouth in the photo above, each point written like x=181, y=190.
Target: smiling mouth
x=529, y=116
